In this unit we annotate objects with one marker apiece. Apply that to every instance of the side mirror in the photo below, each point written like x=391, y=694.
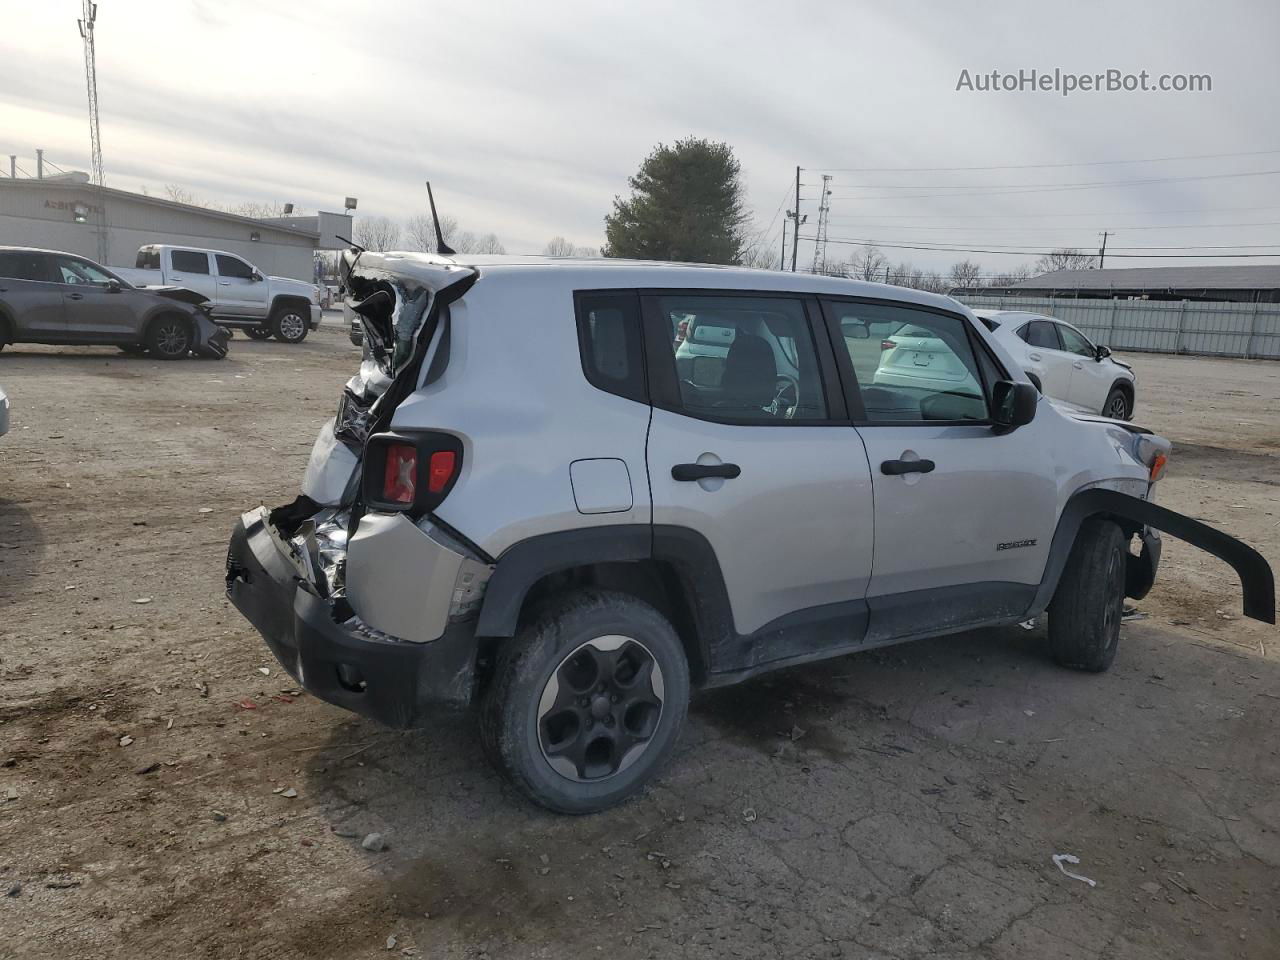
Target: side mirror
x=1103, y=352
x=855, y=331
x=258, y=278
x=113, y=285
x=1013, y=404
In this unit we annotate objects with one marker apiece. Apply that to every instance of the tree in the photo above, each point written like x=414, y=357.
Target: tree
x=1007, y=278
x=1066, y=258
x=868, y=264
x=965, y=273
x=687, y=204
x=377, y=233
x=558, y=246
x=178, y=194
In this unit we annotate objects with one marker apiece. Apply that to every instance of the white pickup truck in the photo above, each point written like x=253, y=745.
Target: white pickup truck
x=242, y=296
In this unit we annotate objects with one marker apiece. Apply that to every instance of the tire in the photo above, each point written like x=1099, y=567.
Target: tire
x=356, y=333
x=586, y=640
x=1084, y=615
x=169, y=337
x=290, y=323
x=258, y=333
x=1118, y=406
x=132, y=349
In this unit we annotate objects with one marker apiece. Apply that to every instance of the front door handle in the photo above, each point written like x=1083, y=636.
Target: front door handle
x=704, y=471
x=224, y=283
x=896, y=468
x=1078, y=365
x=75, y=296
x=1033, y=356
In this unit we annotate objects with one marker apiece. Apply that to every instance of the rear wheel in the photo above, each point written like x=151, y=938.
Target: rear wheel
x=258, y=333
x=1118, y=406
x=1084, y=615
x=586, y=701
x=169, y=338
x=289, y=324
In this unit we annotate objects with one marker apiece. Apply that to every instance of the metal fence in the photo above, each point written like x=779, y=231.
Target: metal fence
x=1250, y=330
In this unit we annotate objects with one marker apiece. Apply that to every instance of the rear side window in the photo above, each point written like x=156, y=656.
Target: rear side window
x=1040, y=333
x=21, y=265
x=189, y=261
x=233, y=267
x=609, y=340
x=747, y=360
x=148, y=259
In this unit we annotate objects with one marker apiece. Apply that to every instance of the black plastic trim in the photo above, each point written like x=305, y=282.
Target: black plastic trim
x=1256, y=579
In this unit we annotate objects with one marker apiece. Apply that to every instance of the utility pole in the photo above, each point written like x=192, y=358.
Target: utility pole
x=795, y=215
x=1102, y=254
x=782, y=261
x=820, y=239
x=88, y=18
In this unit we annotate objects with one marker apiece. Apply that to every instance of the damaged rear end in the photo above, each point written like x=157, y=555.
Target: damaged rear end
x=362, y=594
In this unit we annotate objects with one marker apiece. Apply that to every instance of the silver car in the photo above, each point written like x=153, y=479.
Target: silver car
x=52, y=297
x=526, y=502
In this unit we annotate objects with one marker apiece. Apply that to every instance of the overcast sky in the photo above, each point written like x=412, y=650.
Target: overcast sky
x=528, y=117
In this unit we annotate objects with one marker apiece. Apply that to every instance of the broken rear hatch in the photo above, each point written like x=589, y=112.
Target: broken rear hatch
x=402, y=301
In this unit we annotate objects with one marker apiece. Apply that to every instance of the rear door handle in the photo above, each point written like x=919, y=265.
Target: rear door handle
x=75, y=296
x=224, y=283
x=896, y=468
x=704, y=471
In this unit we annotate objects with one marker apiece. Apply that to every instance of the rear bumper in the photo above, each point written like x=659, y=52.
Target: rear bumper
x=392, y=681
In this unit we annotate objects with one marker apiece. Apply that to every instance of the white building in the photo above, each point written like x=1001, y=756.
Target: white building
x=64, y=213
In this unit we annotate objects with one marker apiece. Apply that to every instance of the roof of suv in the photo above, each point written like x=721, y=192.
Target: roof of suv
x=607, y=272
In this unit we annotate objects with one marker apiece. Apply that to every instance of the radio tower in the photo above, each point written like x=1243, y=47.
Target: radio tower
x=820, y=244
x=88, y=18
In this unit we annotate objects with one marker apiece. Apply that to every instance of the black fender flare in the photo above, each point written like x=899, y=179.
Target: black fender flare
x=289, y=299
x=1256, y=579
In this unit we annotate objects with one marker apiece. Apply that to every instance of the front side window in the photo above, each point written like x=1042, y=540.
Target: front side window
x=189, y=261
x=1074, y=342
x=744, y=359
x=234, y=267
x=80, y=271
x=911, y=365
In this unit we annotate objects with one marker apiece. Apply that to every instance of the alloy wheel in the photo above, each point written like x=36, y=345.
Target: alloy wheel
x=172, y=339
x=1118, y=407
x=292, y=326
x=600, y=708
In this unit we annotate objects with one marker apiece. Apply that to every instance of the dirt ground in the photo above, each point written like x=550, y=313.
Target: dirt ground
x=166, y=792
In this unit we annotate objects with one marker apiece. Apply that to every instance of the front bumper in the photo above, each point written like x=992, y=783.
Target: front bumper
x=392, y=681
x=316, y=313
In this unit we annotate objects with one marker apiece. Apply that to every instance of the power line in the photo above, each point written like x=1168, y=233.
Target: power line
x=1043, y=166
x=1037, y=216
x=966, y=227
x=1041, y=253
x=1031, y=188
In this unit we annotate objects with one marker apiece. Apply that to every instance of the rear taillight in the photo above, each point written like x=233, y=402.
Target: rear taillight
x=440, y=470
x=888, y=344
x=411, y=471
x=400, y=474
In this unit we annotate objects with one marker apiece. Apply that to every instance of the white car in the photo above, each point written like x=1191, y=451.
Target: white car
x=1064, y=363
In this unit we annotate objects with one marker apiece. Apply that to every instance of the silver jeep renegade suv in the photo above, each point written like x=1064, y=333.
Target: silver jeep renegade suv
x=533, y=499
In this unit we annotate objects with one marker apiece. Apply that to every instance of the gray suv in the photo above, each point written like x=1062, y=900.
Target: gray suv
x=52, y=297
x=526, y=501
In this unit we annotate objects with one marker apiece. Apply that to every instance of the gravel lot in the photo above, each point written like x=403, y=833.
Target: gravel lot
x=894, y=804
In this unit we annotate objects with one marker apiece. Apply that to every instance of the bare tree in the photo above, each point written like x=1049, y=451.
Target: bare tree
x=1066, y=258
x=179, y=194
x=558, y=246
x=868, y=265
x=377, y=233
x=257, y=209
x=965, y=273
x=1007, y=278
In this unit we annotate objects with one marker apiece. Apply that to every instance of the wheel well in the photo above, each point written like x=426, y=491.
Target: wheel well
x=653, y=581
x=1125, y=387
x=1035, y=382
x=6, y=328
x=289, y=300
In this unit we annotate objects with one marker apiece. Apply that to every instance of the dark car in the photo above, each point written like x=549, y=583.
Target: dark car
x=52, y=297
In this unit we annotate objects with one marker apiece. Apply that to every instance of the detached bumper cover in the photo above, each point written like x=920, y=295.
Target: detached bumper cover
x=393, y=682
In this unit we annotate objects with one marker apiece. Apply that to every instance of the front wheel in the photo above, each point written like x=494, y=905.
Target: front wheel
x=1085, y=613
x=587, y=701
x=169, y=338
x=289, y=324
x=1117, y=406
